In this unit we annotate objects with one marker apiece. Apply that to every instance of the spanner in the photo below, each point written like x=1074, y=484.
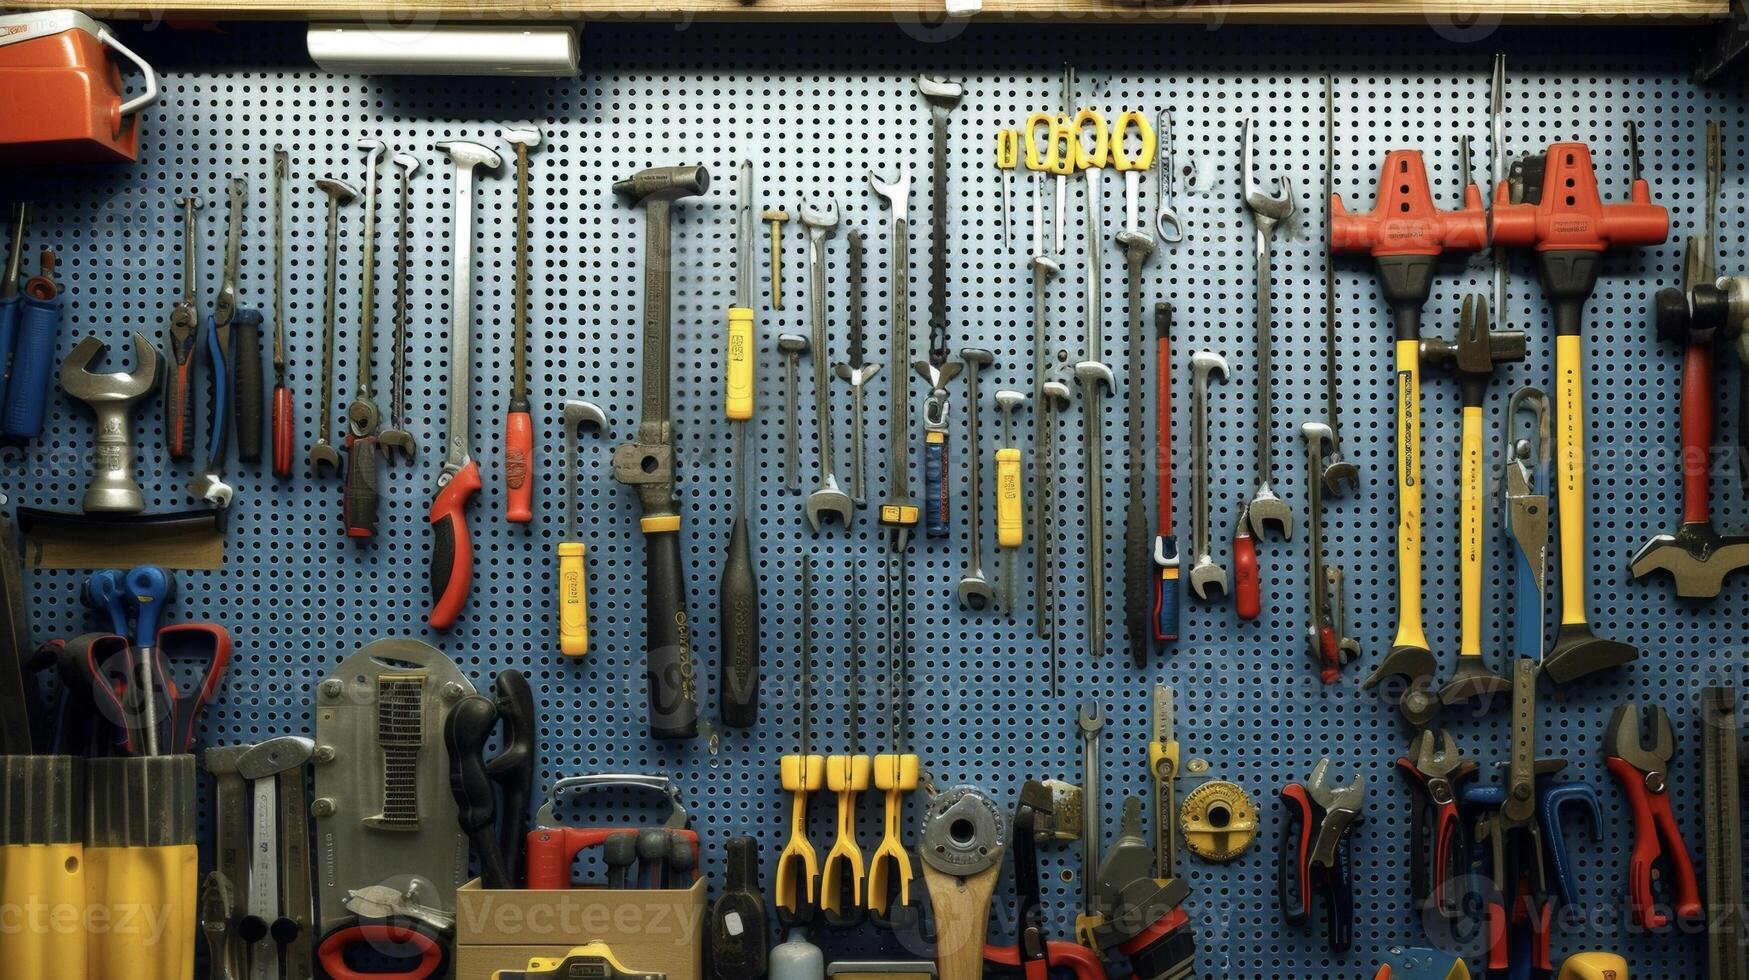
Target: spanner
x=975, y=592
x=361, y=499
x=1091, y=719
x=324, y=458
x=396, y=438
x=1329, y=649
x=792, y=346
x=1203, y=570
x=857, y=372
x=899, y=511
x=1265, y=508
x=828, y=498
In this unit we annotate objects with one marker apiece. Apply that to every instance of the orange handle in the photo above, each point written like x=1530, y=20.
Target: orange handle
x=282, y=431
x=518, y=464
x=1247, y=595
x=452, y=556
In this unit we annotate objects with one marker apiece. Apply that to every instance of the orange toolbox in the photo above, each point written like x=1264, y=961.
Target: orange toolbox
x=62, y=99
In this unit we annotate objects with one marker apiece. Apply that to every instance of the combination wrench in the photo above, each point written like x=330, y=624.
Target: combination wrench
x=1203, y=570
x=975, y=592
x=829, y=497
x=1267, y=211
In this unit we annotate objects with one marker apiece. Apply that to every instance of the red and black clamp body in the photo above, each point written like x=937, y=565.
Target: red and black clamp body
x=1314, y=853
x=1642, y=766
x=1439, y=840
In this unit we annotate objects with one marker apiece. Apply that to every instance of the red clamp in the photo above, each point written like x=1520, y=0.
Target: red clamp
x=1568, y=213
x=1404, y=219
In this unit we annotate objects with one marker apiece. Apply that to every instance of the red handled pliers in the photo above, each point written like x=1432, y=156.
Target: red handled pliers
x=1315, y=855
x=1439, y=841
x=1643, y=771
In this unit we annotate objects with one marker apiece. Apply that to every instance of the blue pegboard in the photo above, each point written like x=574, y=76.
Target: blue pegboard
x=818, y=108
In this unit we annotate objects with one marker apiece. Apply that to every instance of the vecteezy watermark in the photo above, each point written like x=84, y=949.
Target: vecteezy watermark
x=576, y=918
x=35, y=916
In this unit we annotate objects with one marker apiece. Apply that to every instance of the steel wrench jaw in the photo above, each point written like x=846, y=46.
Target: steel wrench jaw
x=1204, y=573
x=1410, y=671
x=1267, y=509
x=1266, y=209
x=975, y=592
x=324, y=459
x=393, y=441
x=1091, y=718
x=1625, y=738
x=829, y=499
x=1341, y=478
x=897, y=191
x=820, y=221
x=78, y=381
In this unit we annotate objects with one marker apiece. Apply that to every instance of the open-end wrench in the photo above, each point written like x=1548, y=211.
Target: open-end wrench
x=857, y=372
x=1267, y=211
x=361, y=501
x=828, y=497
x=1340, y=477
x=792, y=346
x=899, y=511
x=1053, y=399
x=1329, y=649
x=1203, y=570
x=324, y=458
x=112, y=397
x=975, y=592
x=396, y=438
x=1091, y=720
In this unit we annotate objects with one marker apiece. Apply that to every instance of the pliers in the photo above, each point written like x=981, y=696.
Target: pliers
x=1317, y=855
x=1033, y=957
x=1439, y=841
x=1643, y=771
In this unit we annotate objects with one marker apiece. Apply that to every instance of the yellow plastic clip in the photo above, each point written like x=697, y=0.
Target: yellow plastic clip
x=1007, y=149
x=1121, y=161
x=1100, y=156
x=1034, y=160
x=890, y=867
x=801, y=775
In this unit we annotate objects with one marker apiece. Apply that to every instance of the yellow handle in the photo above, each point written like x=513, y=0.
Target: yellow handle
x=1470, y=540
x=44, y=887
x=894, y=775
x=1064, y=152
x=1410, y=631
x=1570, y=474
x=1101, y=153
x=1007, y=149
x=1010, y=526
x=573, y=600
x=846, y=775
x=800, y=775
x=738, y=394
x=1144, y=160
x=1034, y=160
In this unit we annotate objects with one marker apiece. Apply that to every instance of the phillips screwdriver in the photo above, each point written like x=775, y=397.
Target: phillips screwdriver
x=738, y=593
x=282, y=399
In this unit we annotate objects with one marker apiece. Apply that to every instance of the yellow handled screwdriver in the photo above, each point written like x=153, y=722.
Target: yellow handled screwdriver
x=1132, y=167
x=798, y=868
x=738, y=593
x=841, y=883
x=573, y=577
x=1007, y=158
x=1010, y=502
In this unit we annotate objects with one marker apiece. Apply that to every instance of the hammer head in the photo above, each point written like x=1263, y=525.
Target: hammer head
x=578, y=412
x=468, y=155
x=408, y=163
x=664, y=184
x=1696, y=558
x=940, y=91
x=777, y=215
x=1204, y=363
x=79, y=382
x=338, y=191
x=520, y=137
x=1479, y=347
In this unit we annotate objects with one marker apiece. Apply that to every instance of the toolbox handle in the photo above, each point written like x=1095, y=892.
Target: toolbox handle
x=677, y=818
x=144, y=99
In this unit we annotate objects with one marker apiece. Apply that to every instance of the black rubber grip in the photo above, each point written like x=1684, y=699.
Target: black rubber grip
x=738, y=610
x=738, y=929
x=361, y=487
x=1138, y=566
x=465, y=732
x=512, y=769
x=1406, y=281
x=668, y=640
x=249, y=394
x=1568, y=278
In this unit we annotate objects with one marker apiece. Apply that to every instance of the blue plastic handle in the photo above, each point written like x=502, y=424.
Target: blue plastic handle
x=8, y=337
x=220, y=419
x=33, y=361
x=1555, y=840
x=935, y=487
x=1527, y=613
x=106, y=592
x=150, y=589
x=1166, y=597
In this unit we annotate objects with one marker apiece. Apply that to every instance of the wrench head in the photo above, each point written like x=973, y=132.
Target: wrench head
x=1204, y=574
x=820, y=220
x=408, y=163
x=939, y=91
x=829, y=499
x=1204, y=363
x=339, y=191
x=1317, y=436
x=78, y=381
x=1265, y=208
x=577, y=412
x=376, y=149
x=1341, y=478
x=1266, y=510
x=398, y=441
x=1090, y=716
x=897, y=191
x=975, y=592
x=467, y=155
x=324, y=459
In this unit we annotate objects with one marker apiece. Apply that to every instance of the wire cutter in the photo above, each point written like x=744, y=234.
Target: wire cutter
x=1440, y=846
x=1643, y=771
x=1317, y=854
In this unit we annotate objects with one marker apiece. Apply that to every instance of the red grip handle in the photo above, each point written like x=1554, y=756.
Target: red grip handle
x=332, y=952
x=1077, y=959
x=519, y=467
x=179, y=409
x=282, y=431
x=452, y=555
x=1652, y=817
x=1445, y=830
x=1247, y=596
x=1697, y=433
x=552, y=850
x=1499, y=957
x=1329, y=656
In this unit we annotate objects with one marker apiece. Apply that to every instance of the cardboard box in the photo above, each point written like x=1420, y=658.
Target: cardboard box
x=649, y=930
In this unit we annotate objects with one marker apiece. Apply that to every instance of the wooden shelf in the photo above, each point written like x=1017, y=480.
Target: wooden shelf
x=1459, y=14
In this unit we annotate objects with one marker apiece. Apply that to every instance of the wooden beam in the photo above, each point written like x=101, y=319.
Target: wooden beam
x=1458, y=14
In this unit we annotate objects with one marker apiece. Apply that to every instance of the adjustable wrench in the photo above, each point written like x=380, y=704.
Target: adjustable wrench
x=828, y=497
x=1203, y=570
x=1265, y=508
x=361, y=502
